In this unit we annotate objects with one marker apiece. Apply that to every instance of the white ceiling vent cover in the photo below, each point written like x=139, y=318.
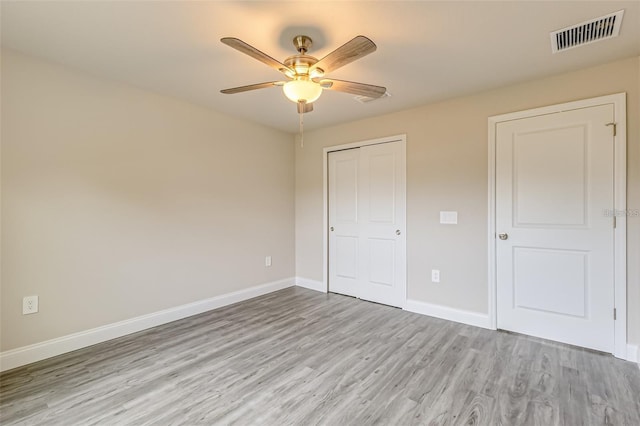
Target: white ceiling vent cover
x=597, y=29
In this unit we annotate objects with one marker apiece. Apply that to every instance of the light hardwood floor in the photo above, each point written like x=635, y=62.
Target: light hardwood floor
x=302, y=357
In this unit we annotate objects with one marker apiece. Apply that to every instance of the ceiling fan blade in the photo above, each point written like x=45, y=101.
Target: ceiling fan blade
x=304, y=107
x=357, y=48
x=252, y=87
x=361, y=89
x=247, y=49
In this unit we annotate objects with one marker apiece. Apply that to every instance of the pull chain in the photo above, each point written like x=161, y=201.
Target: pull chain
x=301, y=111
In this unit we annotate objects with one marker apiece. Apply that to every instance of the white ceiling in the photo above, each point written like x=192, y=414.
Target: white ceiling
x=427, y=51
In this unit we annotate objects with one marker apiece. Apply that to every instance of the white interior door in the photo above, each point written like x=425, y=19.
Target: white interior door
x=555, y=242
x=367, y=256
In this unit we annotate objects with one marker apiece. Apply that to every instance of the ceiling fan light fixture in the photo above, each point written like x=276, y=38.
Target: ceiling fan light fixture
x=302, y=90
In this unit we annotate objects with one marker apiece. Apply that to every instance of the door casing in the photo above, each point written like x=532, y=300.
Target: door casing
x=620, y=204
x=402, y=139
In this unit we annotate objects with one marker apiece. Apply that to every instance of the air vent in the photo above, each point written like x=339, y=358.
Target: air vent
x=597, y=29
x=366, y=99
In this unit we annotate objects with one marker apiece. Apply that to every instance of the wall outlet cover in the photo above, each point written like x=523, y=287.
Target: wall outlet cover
x=29, y=305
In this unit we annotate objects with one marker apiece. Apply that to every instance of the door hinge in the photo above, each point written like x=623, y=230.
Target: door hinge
x=615, y=314
x=615, y=221
x=615, y=125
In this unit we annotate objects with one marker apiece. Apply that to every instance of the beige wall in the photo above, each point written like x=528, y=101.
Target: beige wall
x=117, y=202
x=447, y=170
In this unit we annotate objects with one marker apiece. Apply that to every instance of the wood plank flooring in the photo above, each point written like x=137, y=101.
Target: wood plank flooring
x=298, y=357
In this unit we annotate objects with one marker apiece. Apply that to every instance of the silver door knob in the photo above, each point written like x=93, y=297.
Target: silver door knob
x=503, y=236
x=331, y=229
x=398, y=232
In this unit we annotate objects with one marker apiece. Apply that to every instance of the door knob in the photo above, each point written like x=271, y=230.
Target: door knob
x=503, y=236
x=331, y=229
x=398, y=232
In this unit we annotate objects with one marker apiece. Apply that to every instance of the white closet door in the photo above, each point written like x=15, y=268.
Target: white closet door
x=344, y=232
x=367, y=256
x=555, y=261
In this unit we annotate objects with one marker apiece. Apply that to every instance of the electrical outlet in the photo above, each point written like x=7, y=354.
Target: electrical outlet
x=267, y=261
x=29, y=305
x=435, y=275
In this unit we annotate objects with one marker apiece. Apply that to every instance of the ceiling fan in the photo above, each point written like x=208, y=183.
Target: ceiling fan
x=305, y=74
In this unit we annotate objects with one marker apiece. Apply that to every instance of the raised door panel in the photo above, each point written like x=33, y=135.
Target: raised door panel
x=538, y=273
x=550, y=185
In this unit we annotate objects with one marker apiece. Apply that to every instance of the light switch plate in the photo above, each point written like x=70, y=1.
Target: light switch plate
x=449, y=218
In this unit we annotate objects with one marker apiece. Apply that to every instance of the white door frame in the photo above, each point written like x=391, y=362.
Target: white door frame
x=620, y=204
x=325, y=199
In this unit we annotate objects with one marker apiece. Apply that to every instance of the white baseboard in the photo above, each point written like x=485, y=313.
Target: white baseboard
x=47, y=349
x=480, y=320
x=447, y=313
x=632, y=353
x=311, y=284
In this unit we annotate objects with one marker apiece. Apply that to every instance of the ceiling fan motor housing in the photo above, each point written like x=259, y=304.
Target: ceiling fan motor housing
x=302, y=64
